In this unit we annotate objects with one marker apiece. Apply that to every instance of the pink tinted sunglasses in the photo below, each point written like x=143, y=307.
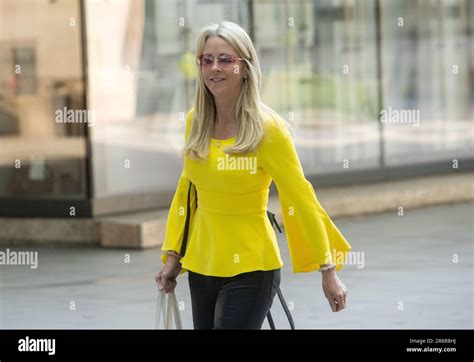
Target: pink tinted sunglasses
x=223, y=60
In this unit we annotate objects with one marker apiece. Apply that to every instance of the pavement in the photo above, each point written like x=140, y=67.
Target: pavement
x=411, y=272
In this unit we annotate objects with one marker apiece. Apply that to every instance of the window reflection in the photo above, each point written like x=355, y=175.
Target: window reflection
x=40, y=73
x=324, y=53
x=141, y=84
x=329, y=65
x=426, y=67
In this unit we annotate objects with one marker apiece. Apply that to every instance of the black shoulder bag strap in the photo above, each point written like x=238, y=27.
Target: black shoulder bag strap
x=188, y=219
x=273, y=221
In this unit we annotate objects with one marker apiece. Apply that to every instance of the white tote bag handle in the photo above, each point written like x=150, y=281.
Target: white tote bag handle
x=166, y=308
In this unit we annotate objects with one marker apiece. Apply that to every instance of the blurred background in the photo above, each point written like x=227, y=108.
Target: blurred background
x=102, y=184
x=329, y=65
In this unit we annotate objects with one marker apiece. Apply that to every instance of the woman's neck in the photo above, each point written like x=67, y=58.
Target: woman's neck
x=225, y=113
x=225, y=123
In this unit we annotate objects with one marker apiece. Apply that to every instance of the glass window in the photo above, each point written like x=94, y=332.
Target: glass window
x=319, y=65
x=141, y=84
x=41, y=87
x=427, y=74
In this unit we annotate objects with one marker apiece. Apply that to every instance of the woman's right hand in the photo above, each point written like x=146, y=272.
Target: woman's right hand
x=166, y=278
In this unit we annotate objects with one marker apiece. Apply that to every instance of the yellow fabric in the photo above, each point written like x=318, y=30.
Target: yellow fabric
x=229, y=229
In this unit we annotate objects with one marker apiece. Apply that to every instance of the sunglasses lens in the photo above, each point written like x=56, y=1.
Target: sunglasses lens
x=207, y=60
x=225, y=60
x=222, y=60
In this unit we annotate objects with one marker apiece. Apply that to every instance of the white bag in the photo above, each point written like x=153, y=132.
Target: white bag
x=166, y=307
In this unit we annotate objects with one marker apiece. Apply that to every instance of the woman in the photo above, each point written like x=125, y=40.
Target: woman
x=217, y=226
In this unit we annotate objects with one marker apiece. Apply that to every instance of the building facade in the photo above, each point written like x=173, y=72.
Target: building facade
x=93, y=93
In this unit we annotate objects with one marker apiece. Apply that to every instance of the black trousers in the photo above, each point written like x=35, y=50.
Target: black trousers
x=238, y=302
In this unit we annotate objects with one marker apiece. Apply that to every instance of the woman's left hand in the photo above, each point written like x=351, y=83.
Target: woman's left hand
x=334, y=290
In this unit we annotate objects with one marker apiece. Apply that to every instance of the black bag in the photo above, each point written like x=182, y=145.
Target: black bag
x=273, y=222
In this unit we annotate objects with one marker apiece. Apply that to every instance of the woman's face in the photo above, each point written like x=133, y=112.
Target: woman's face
x=223, y=78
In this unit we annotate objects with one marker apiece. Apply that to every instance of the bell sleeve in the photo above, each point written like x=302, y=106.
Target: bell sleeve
x=313, y=239
x=181, y=212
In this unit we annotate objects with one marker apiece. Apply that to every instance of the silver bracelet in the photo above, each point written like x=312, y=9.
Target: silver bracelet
x=327, y=268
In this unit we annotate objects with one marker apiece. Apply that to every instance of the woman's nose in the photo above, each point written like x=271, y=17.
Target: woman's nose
x=215, y=65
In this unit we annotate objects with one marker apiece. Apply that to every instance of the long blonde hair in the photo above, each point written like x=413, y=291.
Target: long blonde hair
x=251, y=112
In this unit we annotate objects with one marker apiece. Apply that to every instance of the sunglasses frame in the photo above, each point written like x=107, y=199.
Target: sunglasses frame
x=199, y=60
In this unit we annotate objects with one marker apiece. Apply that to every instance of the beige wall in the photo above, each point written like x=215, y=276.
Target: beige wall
x=54, y=32
x=58, y=44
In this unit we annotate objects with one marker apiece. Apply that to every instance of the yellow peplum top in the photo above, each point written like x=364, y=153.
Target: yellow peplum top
x=219, y=211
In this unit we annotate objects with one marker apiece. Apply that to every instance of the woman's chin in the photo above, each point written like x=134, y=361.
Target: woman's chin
x=217, y=92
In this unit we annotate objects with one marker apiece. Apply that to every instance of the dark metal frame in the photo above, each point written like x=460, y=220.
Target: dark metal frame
x=85, y=74
x=380, y=76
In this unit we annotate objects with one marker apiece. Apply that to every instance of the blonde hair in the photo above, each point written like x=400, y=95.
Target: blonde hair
x=251, y=112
